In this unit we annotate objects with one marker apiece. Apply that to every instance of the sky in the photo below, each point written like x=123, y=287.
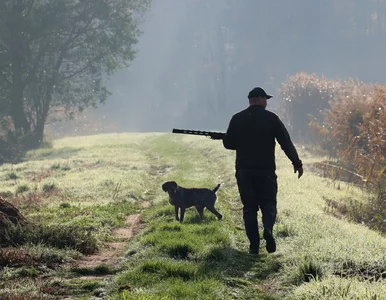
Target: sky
x=197, y=60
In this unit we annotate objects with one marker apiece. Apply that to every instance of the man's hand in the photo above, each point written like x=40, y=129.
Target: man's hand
x=299, y=170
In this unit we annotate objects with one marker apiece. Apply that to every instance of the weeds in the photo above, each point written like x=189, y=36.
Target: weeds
x=362, y=271
x=335, y=288
x=22, y=189
x=48, y=187
x=59, y=236
x=15, y=258
x=98, y=270
x=371, y=212
x=11, y=176
x=307, y=270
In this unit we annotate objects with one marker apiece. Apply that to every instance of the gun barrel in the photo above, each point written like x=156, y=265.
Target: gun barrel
x=213, y=135
x=187, y=131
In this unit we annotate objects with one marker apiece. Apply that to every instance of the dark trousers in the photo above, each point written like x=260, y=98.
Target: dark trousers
x=258, y=190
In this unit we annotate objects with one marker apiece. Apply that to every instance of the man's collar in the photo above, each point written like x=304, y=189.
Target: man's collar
x=256, y=106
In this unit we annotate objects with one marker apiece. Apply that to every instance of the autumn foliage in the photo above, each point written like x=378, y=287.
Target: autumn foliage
x=304, y=98
x=355, y=129
x=345, y=118
x=347, y=121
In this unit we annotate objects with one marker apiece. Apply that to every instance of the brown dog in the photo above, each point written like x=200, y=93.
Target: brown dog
x=182, y=198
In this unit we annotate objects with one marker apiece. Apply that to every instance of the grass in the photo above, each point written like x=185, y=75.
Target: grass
x=93, y=186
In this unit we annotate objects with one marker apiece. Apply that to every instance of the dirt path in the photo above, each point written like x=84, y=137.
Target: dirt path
x=113, y=252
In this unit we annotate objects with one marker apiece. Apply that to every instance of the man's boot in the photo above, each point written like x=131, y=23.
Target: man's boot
x=270, y=241
x=254, y=247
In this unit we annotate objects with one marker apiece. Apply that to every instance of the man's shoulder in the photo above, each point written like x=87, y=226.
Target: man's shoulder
x=267, y=113
x=271, y=114
x=238, y=114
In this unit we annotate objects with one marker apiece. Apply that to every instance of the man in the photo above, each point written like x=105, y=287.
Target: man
x=252, y=133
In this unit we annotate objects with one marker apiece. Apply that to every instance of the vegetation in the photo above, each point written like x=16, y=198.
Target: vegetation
x=55, y=57
x=304, y=99
x=86, y=217
x=346, y=122
x=92, y=187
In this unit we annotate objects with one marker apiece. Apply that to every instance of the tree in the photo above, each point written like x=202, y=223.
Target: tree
x=59, y=54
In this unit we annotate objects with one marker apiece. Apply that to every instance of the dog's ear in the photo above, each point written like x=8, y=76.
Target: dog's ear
x=165, y=186
x=169, y=185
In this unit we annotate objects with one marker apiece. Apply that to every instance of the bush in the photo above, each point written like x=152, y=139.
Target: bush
x=304, y=98
x=347, y=120
x=13, y=147
x=354, y=130
x=11, y=150
x=60, y=236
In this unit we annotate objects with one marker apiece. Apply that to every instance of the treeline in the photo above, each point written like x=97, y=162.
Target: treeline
x=221, y=49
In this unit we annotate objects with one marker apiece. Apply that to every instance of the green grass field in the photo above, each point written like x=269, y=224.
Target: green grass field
x=83, y=188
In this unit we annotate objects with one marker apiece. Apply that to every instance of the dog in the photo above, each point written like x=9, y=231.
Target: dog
x=182, y=198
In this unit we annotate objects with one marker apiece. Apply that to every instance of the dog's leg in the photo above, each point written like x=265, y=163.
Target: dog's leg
x=215, y=212
x=200, y=210
x=176, y=211
x=182, y=214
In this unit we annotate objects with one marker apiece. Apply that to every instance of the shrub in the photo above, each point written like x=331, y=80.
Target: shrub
x=11, y=149
x=354, y=131
x=304, y=98
x=58, y=236
x=48, y=187
x=22, y=189
x=11, y=176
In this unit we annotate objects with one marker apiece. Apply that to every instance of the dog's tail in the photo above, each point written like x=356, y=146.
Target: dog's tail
x=216, y=188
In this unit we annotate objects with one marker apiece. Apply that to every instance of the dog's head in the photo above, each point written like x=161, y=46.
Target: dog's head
x=169, y=186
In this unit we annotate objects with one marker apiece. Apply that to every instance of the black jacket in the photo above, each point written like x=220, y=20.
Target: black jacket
x=252, y=133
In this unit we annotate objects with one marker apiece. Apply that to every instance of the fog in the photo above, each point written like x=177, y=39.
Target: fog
x=198, y=59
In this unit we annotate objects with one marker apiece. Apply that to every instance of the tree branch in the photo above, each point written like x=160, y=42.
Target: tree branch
x=5, y=78
x=29, y=7
x=4, y=47
x=85, y=67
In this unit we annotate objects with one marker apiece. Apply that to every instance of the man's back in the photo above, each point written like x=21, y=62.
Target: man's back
x=252, y=133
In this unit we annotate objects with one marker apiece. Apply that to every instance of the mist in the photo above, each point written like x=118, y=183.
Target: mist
x=197, y=60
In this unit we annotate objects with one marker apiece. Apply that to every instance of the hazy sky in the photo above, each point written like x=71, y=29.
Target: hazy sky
x=200, y=58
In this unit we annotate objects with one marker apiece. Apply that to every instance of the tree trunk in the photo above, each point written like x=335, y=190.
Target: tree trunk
x=41, y=118
x=16, y=52
x=39, y=132
x=17, y=101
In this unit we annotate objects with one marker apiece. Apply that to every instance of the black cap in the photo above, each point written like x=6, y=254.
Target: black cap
x=258, y=92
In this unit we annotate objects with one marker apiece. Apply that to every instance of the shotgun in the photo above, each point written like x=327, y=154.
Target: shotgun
x=213, y=135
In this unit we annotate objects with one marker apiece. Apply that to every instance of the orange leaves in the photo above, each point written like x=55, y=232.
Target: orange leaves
x=346, y=118
x=357, y=123
x=305, y=97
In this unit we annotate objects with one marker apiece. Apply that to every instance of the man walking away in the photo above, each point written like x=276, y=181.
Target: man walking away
x=252, y=133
